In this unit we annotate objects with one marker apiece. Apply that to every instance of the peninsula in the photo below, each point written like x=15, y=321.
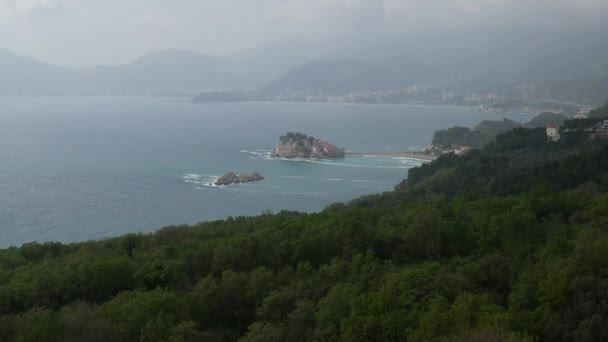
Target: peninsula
x=233, y=178
x=298, y=145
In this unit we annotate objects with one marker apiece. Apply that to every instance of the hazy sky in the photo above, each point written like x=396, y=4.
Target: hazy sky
x=87, y=32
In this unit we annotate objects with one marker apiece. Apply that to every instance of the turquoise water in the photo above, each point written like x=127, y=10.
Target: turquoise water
x=79, y=168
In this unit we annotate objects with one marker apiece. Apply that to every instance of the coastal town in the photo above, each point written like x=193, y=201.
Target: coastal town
x=593, y=129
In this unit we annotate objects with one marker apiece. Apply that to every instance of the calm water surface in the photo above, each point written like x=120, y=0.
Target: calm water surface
x=79, y=168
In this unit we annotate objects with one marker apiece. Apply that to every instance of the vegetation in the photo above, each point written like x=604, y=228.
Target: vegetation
x=544, y=119
x=486, y=131
x=480, y=135
x=299, y=145
x=507, y=243
x=291, y=136
x=600, y=113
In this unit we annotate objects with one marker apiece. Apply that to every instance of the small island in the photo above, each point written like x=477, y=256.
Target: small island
x=298, y=145
x=233, y=178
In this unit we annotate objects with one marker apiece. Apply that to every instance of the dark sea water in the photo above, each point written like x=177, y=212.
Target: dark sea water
x=80, y=168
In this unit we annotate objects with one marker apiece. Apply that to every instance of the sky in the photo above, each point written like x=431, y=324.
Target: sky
x=112, y=32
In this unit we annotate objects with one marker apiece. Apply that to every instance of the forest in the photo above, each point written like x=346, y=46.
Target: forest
x=486, y=131
x=505, y=243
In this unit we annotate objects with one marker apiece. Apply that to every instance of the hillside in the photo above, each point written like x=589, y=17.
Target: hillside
x=600, y=113
x=21, y=74
x=336, y=76
x=561, y=77
x=570, y=65
x=506, y=243
x=162, y=72
x=525, y=76
x=478, y=136
x=168, y=71
x=486, y=131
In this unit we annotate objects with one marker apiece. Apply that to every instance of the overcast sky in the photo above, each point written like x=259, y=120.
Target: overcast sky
x=89, y=32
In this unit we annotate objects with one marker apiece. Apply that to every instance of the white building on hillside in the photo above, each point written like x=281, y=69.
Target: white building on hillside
x=552, y=133
x=602, y=130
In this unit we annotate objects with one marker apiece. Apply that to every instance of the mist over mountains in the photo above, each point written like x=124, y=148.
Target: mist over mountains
x=570, y=65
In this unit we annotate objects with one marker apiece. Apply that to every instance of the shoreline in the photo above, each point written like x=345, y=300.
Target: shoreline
x=425, y=157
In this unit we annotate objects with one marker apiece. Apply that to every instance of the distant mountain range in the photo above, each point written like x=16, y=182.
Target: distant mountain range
x=344, y=75
x=20, y=74
x=161, y=72
x=447, y=70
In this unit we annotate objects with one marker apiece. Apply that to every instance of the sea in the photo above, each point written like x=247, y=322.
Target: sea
x=83, y=168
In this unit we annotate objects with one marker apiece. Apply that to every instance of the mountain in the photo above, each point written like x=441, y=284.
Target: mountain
x=166, y=71
x=455, y=64
x=264, y=63
x=589, y=62
x=170, y=71
x=338, y=76
x=21, y=74
x=160, y=72
x=534, y=66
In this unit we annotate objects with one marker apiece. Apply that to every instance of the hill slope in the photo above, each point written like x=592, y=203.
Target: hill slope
x=168, y=71
x=22, y=74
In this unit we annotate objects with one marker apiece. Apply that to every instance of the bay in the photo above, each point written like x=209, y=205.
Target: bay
x=80, y=168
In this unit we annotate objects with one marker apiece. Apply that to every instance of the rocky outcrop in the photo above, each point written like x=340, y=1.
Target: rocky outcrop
x=233, y=178
x=298, y=145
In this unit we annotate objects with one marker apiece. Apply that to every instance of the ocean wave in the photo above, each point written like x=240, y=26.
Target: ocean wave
x=413, y=160
x=348, y=165
x=201, y=180
x=259, y=153
x=191, y=176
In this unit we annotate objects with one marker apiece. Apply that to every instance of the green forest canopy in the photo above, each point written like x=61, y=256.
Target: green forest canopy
x=506, y=243
x=485, y=132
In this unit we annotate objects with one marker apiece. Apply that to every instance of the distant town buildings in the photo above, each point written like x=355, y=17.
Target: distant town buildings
x=601, y=130
x=477, y=98
x=583, y=113
x=553, y=133
x=595, y=131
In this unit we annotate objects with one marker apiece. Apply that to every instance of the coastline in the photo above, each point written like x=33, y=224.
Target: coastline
x=424, y=157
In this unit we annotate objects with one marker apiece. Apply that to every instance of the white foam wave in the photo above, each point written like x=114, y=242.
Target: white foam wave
x=350, y=165
x=416, y=161
x=259, y=153
x=191, y=176
x=201, y=180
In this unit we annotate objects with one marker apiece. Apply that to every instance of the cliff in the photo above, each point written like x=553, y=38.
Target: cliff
x=298, y=145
